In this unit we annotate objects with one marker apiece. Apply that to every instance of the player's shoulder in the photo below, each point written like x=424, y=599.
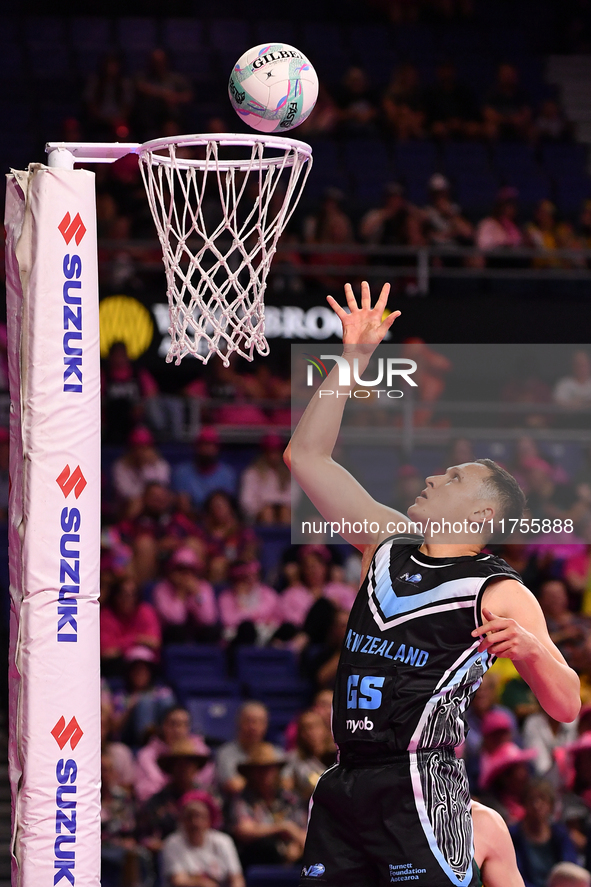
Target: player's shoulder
x=491, y=565
x=400, y=545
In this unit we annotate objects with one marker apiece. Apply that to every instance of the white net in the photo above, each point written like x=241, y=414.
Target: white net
x=220, y=203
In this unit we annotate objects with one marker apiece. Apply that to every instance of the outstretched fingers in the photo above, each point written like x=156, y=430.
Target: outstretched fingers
x=389, y=320
x=383, y=298
x=365, y=295
x=350, y=297
x=340, y=312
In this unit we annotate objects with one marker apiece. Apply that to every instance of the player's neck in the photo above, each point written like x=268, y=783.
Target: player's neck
x=450, y=549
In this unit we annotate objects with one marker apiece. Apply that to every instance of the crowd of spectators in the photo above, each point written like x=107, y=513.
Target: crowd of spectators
x=156, y=102
x=181, y=564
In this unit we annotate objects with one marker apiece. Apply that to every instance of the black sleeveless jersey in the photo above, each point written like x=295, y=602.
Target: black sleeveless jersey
x=409, y=665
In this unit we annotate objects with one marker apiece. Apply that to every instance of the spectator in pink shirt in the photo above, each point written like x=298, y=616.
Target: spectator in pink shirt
x=137, y=467
x=248, y=600
x=175, y=727
x=499, y=229
x=265, y=486
x=126, y=621
x=314, y=583
x=185, y=601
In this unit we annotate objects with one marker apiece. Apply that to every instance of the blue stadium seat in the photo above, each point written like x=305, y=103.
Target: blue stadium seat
x=571, y=191
x=411, y=158
x=367, y=154
x=182, y=34
x=136, y=34
x=48, y=51
x=565, y=158
x=476, y=192
x=465, y=157
x=197, y=670
x=265, y=664
x=531, y=187
x=231, y=36
x=267, y=30
x=416, y=188
x=91, y=33
x=272, y=876
x=509, y=157
x=188, y=686
x=214, y=717
x=274, y=541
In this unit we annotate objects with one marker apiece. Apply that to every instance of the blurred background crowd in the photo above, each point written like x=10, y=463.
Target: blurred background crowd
x=442, y=125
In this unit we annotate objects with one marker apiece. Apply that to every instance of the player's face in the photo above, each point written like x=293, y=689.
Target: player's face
x=457, y=495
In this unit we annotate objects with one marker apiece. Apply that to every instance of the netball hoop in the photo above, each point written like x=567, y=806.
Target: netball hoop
x=220, y=203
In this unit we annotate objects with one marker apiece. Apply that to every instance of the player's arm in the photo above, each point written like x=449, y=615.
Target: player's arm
x=335, y=493
x=493, y=849
x=515, y=628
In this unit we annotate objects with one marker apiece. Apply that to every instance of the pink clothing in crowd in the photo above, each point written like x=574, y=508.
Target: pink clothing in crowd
x=130, y=482
x=297, y=600
x=261, y=488
x=493, y=233
x=149, y=778
x=175, y=609
x=261, y=606
x=122, y=634
x=123, y=762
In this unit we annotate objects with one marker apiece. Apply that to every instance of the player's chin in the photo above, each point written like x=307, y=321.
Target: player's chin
x=417, y=510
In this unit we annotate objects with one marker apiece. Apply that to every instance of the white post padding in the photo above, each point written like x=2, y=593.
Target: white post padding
x=54, y=534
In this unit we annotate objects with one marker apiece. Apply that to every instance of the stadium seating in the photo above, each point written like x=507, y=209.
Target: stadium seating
x=272, y=876
x=214, y=717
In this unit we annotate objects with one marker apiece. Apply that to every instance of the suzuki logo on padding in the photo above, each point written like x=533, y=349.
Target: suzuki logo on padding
x=74, y=481
x=72, y=732
x=69, y=228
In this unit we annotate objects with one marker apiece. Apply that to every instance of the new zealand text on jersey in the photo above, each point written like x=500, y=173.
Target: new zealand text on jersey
x=366, y=643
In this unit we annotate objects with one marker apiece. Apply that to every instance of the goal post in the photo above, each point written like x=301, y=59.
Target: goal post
x=216, y=279
x=54, y=526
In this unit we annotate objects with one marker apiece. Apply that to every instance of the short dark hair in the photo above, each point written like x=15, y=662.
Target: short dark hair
x=505, y=489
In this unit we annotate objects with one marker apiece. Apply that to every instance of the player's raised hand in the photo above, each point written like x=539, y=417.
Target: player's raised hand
x=364, y=325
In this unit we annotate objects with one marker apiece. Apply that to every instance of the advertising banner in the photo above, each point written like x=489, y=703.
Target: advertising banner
x=53, y=340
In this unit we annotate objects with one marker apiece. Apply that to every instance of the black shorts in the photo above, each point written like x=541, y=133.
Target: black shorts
x=404, y=822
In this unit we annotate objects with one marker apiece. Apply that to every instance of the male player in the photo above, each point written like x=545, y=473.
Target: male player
x=430, y=617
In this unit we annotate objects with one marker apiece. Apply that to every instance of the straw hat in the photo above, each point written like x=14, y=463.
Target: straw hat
x=262, y=755
x=190, y=749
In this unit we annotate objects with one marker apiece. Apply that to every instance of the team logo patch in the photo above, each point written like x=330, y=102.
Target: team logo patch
x=407, y=577
x=313, y=871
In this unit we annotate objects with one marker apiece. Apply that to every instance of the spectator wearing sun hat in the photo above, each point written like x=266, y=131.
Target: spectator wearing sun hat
x=267, y=821
x=182, y=763
x=196, y=480
x=504, y=777
x=197, y=853
x=184, y=601
x=265, y=486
